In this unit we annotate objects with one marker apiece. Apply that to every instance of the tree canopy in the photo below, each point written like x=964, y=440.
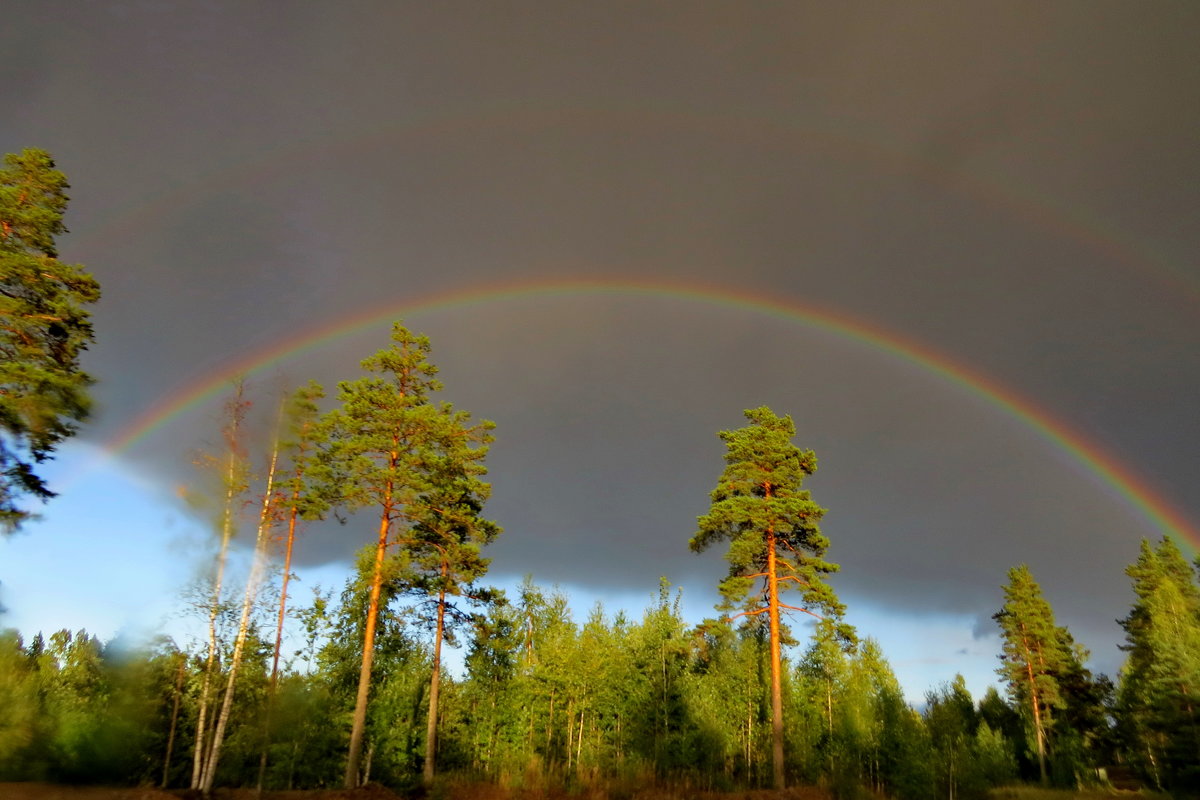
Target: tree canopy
x=44, y=327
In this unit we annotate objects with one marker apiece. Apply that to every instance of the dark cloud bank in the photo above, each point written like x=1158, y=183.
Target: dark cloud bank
x=1015, y=187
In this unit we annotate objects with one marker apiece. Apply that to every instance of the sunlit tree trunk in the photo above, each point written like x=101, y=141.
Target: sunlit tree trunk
x=435, y=682
x=358, y=727
x=301, y=412
x=776, y=658
x=236, y=410
x=266, y=512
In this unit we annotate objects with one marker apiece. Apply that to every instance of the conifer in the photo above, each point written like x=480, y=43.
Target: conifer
x=771, y=524
x=44, y=328
x=1037, y=654
x=389, y=447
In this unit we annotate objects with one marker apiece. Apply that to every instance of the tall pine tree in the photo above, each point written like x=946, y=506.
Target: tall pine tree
x=1037, y=655
x=392, y=449
x=775, y=544
x=445, y=538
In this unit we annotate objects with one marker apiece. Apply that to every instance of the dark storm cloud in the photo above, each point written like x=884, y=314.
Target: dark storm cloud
x=1014, y=186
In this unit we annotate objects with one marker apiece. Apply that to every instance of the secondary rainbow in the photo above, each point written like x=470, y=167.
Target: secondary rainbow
x=1134, y=490
x=858, y=145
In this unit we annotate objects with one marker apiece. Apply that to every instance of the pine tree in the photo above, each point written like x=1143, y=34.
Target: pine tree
x=1037, y=654
x=771, y=523
x=388, y=447
x=44, y=327
x=445, y=538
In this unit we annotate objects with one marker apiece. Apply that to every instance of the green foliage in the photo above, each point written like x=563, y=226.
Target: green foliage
x=1158, y=714
x=303, y=437
x=1046, y=680
x=383, y=431
x=44, y=327
x=388, y=446
x=72, y=710
x=760, y=492
x=761, y=508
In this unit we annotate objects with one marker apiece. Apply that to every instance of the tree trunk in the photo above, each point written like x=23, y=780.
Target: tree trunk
x=364, y=676
x=579, y=746
x=1038, y=731
x=776, y=659
x=435, y=681
x=239, y=648
x=274, y=684
x=570, y=731
x=201, y=751
x=174, y=720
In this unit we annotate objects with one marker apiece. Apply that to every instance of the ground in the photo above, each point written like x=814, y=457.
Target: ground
x=45, y=791
x=478, y=791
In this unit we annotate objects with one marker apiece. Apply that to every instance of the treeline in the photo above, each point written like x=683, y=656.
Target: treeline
x=608, y=700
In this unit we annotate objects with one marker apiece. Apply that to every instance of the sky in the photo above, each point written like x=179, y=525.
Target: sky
x=956, y=243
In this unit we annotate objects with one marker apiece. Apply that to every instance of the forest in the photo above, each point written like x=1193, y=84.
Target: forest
x=753, y=697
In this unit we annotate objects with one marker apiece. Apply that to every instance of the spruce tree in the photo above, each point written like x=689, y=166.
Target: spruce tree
x=771, y=523
x=44, y=328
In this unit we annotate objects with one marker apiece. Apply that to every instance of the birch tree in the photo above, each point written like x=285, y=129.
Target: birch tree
x=233, y=471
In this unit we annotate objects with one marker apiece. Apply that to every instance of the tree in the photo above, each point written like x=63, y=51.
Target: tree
x=951, y=719
x=233, y=480
x=389, y=447
x=1158, y=706
x=1036, y=655
x=446, y=537
x=771, y=524
x=266, y=521
x=44, y=327
x=301, y=412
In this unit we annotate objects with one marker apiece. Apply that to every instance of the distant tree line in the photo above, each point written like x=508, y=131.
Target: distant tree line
x=547, y=699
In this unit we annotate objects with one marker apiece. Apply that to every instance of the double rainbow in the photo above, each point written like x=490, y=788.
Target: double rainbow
x=1092, y=456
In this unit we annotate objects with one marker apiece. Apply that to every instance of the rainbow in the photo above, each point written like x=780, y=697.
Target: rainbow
x=1094, y=458
x=852, y=145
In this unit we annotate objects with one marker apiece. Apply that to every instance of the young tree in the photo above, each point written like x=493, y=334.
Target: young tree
x=234, y=479
x=951, y=719
x=44, y=326
x=771, y=523
x=266, y=521
x=301, y=413
x=1037, y=653
x=388, y=447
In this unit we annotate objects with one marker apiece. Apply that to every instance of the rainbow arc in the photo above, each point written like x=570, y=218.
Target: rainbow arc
x=1092, y=456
